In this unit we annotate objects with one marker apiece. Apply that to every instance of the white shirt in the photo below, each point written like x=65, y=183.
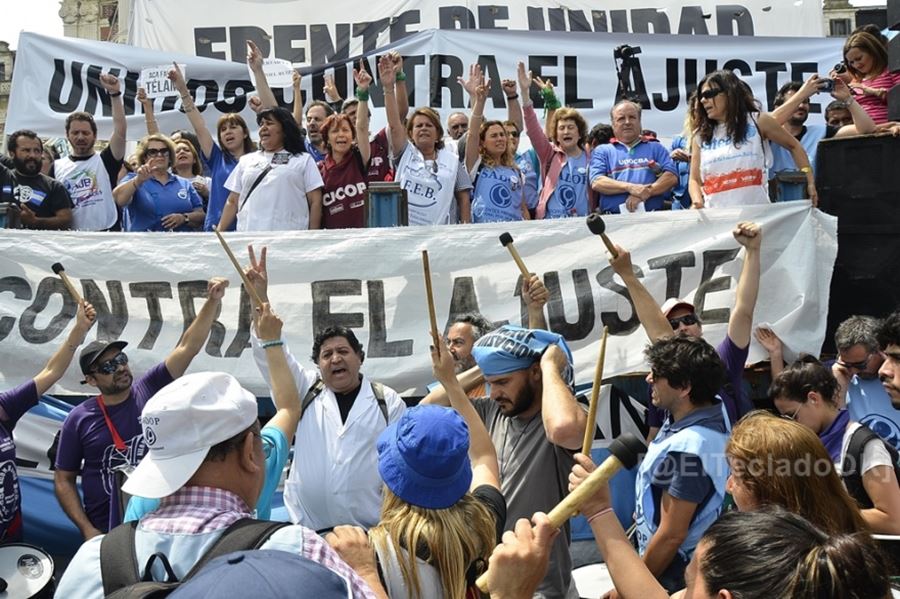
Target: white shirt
x=279, y=202
x=334, y=476
x=874, y=454
x=89, y=187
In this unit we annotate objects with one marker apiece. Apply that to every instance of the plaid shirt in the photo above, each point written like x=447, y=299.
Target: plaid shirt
x=198, y=510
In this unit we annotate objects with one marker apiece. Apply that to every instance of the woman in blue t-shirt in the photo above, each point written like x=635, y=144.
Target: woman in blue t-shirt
x=499, y=193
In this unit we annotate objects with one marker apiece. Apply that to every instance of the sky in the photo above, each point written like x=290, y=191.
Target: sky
x=42, y=16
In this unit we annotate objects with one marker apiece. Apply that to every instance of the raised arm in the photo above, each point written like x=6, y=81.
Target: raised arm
x=120, y=128
x=255, y=62
x=535, y=295
x=124, y=191
x=513, y=106
x=193, y=115
x=485, y=470
x=477, y=90
x=469, y=379
x=396, y=130
x=772, y=344
x=192, y=340
x=564, y=420
x=149, y=117
x=56, y=367
x=284, y=390
x=296, y=79
x=655, y=323
x=363, y=81
x=551, y=104
x=400, y=85
x=775, y=132
x=783, y=113
x=740, y=324
x=536, y=134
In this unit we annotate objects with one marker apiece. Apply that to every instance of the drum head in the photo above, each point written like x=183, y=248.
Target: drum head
x=26, y=569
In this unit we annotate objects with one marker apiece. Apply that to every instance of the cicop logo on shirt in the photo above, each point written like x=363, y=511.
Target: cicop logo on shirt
x=351, y=190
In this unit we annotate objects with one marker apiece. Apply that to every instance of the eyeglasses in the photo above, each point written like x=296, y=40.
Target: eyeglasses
x=151, y=152
x=861, y=365
x=711, y=93
x=687, y=320
x=111, y=365
x=794, y=415
x=513, y=133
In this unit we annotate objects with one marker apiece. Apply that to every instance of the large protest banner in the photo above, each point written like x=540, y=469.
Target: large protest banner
x=311, y=33
x=148, y=286
x=57, y=76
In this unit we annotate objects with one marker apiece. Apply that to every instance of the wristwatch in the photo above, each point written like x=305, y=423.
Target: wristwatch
x=187, y=219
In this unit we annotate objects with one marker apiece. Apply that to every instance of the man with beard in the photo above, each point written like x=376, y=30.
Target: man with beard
x=43, y=203
x=535, y=424
x=89, y=177
x=101, y=437
x=889, y=340
x=316, y=114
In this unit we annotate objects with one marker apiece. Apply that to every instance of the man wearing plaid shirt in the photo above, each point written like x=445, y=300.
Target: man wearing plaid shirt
x=206, y=459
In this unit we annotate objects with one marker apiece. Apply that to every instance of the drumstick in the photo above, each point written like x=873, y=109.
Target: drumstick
x=429, y=296
x=507, y=241
x=249, y=286
x=61, y=272
x=598, y=227
x=595, y=395
x=625, y=451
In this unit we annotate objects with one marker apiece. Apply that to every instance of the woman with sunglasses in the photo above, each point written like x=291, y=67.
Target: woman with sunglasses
x=806, y=392
x=728, y=150
x=499, y=193
x=154, y=198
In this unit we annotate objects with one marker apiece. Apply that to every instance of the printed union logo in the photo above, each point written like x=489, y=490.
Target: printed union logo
x=149, y=436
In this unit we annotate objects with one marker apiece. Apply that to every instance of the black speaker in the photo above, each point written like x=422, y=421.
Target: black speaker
x=857, y=181
x=893, y=15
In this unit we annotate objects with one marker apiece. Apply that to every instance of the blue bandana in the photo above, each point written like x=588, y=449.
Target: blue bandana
x=512, y=348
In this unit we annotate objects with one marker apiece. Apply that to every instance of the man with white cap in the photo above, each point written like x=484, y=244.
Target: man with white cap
x=535, y=424
x=680, y=316
x=206, y=459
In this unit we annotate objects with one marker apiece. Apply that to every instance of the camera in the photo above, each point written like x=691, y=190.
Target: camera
x=840, y=68
x=827, y=85
x=625, y=51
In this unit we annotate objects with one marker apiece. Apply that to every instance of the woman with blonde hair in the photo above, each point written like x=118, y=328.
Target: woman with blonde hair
x=443, y=511
x=777, y=462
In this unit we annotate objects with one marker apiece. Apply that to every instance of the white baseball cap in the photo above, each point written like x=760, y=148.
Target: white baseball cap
x=181, y=422
x=673, y=302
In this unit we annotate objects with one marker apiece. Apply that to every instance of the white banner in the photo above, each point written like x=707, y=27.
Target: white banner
x=145, y=286
x=57, y=76
x=306, y=32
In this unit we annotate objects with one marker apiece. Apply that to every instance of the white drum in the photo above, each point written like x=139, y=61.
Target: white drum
x=27, y=571
x=592, y=580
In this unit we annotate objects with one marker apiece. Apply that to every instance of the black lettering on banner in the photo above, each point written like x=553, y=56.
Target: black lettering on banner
x=409, y=67
x=323, y=317
x=771, y=69
x=616, y=325
x=599, y=19
x=712, y=259
x=188, y=291
x=111, y=321
x=47, y=288
x=239, y=37
x=649, y=20
x=556, y=308
x=739, y=67
x=799, y=72
x=56, y=85
x=728, y=15
x=692, y=21
x=21, y=290
x=619, y=20
x=233, y=101
x=439, y=81
x=557, y=18
x=129, y=92
x=284, y=38
x=379, y=346
x=632, y=72
x=463, y=299
x=321, y=48
x=456, y=17
x=489, y=15
x=205, y=37
x=400, y=22
x=535, y=18
x=151, y=291
x=577, y=20
x=210, y=92
x=94, y=91
x=241, y=339
x=369, y=33
x=673, y=265
x=672, y=84
x=570, y=75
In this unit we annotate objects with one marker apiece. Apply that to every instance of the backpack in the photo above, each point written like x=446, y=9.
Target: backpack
x=319, y=386
x=123, y=579
x=852, y=464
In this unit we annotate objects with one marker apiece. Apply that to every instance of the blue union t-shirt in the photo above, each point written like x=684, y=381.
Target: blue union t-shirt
x=570, y=198
x=498, y=195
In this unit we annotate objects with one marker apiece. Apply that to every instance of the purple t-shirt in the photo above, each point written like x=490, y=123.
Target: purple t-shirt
x=13, y=405
x=86, y=445
x=732, y=394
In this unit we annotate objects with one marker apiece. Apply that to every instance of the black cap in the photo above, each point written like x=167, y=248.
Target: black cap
x=94, y=350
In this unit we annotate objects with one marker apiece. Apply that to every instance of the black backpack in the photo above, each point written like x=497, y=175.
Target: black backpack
x=123, y=579
x=852, y=464
x=316, y=389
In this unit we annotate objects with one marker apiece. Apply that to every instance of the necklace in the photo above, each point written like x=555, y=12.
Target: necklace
x=512, y=450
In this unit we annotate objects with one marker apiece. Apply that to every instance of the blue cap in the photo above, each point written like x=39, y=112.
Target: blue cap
x=423, y=458
x=264, y=573
x=511, y=348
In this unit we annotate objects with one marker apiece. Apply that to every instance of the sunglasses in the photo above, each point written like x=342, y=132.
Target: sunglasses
x=711, y=93
x=111, y=365
x=687, y=319
x=861, y=365
x=157, y=152
x=513, y=133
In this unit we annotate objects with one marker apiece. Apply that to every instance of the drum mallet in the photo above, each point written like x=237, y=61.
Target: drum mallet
x=625, y=451
x=507, y=241
x=429, y=296
x=598, y=227
x=595, y=396
x=61, y=272
x=237, y=266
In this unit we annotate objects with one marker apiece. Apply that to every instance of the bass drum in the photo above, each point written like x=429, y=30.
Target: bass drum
x=27, y=572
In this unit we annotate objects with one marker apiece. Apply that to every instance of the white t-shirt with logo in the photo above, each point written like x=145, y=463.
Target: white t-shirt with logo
x=88, y=184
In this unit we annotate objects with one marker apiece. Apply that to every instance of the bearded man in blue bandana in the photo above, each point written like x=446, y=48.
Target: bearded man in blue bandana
x=536, y=425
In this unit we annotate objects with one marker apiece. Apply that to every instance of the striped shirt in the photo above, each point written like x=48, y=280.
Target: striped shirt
x=877, y=106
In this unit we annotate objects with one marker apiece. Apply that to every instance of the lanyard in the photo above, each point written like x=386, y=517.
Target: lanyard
x=117, y=439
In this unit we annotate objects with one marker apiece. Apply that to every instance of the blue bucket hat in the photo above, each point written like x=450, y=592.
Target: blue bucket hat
x=423, y=458
x=511, y=348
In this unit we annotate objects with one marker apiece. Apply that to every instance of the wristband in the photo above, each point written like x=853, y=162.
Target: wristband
x=362, y=95
x=805, y=169
x=272, y=343
x=602, y=512
x=550, y=100
x=400, y=76
x=114, y=94
x=516, y=97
